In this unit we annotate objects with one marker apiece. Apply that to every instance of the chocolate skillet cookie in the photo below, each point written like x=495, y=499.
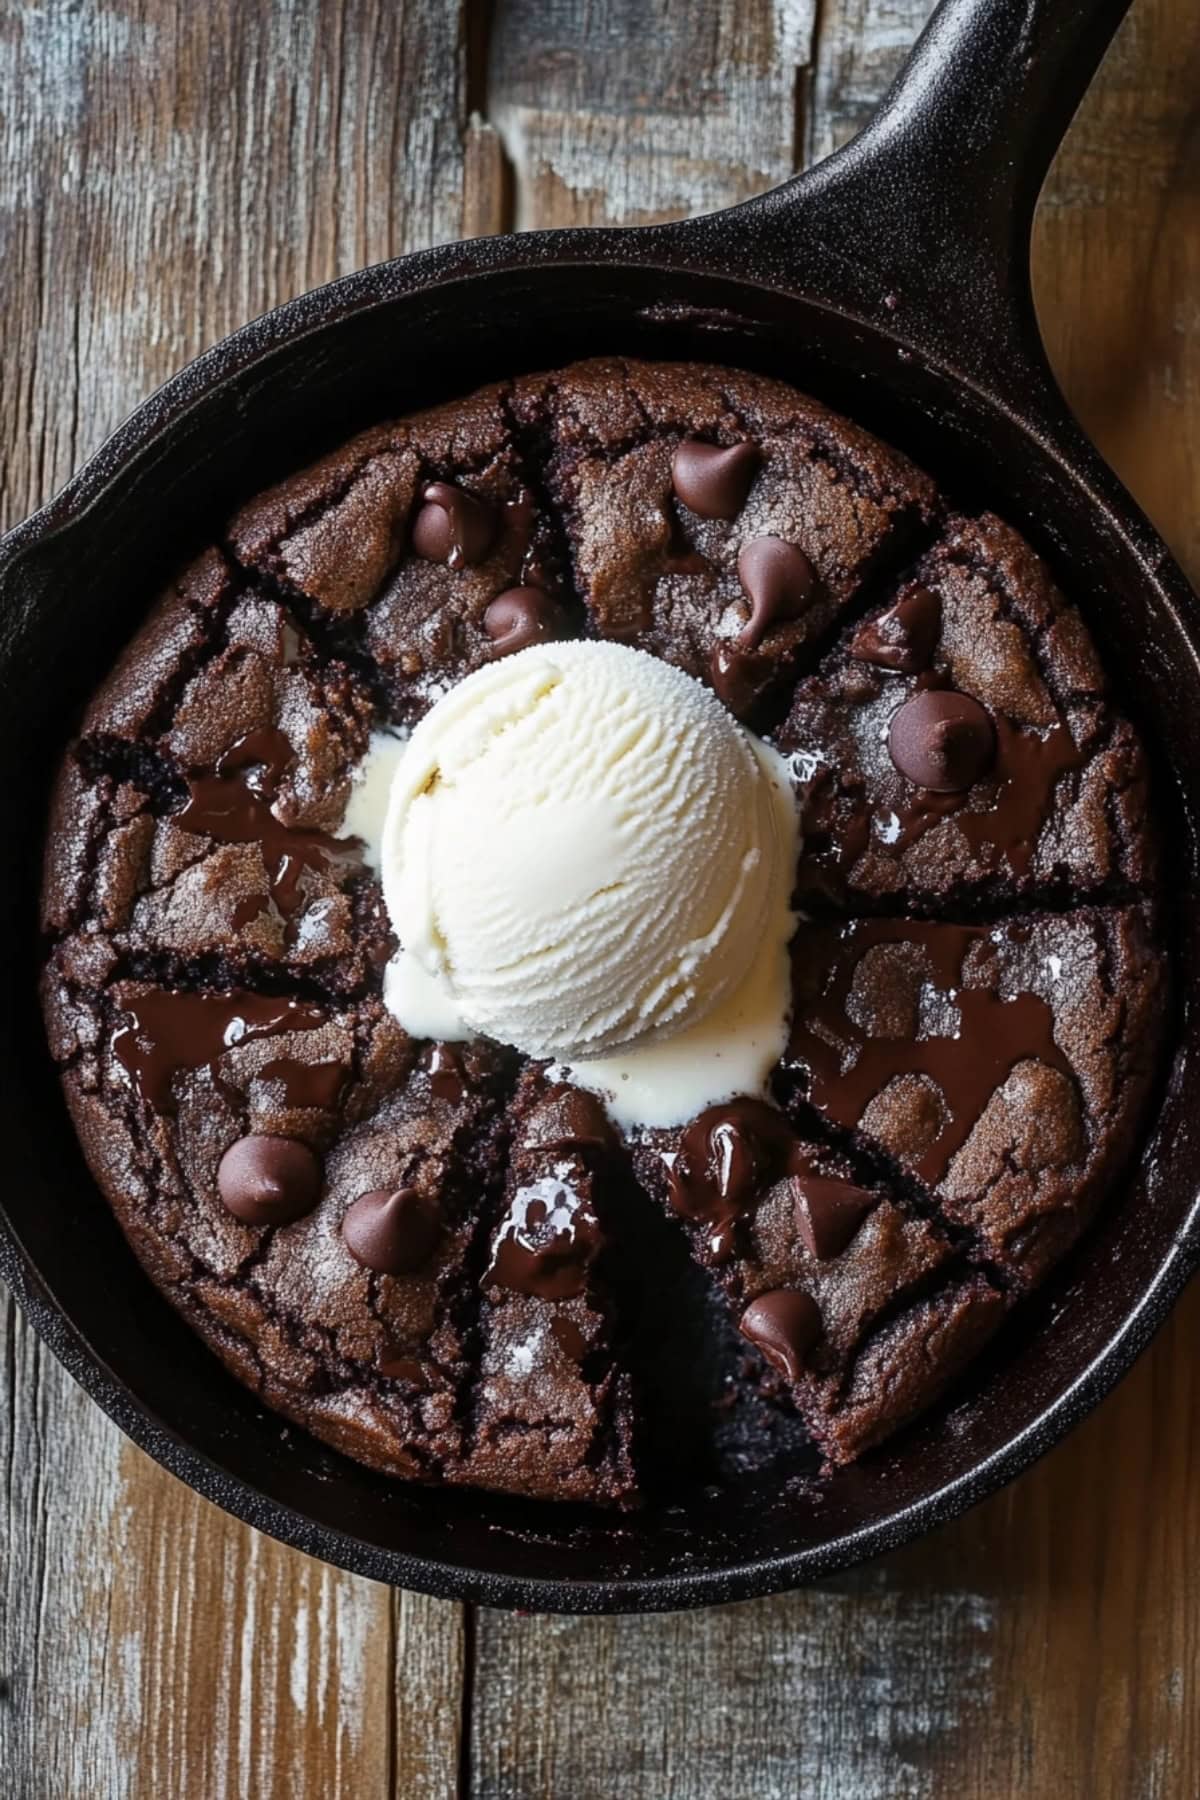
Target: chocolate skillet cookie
x=421, y=1252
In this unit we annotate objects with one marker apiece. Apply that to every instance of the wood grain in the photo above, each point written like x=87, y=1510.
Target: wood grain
x=855, y=59
x=154, y=1646
x=1117, y=266
x=1047, y=1644
x=627, y=111
x=167, y=171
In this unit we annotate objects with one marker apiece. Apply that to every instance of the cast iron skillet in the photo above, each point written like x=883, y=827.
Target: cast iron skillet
x=893, y=280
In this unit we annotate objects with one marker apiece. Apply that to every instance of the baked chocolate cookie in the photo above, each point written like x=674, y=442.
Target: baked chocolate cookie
x=862, y=1308
x=421, y=1253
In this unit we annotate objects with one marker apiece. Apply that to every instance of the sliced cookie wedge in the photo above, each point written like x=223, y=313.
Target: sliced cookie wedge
x=862, y=1310
x=1005, y=1067
x=716, y=518
x=199, y=817
x=420, y=544
x=959, y=746
x=553, y=1409
x=304, y=1187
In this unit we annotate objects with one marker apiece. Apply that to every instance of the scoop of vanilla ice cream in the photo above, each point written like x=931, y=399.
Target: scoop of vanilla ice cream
x=582, y=852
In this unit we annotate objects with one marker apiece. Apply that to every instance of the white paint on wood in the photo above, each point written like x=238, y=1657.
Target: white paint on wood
x=166, y=172
x=619, y=113
x=862, y=47
x=165, y=1649
x=166, y=176
x=864, y=1691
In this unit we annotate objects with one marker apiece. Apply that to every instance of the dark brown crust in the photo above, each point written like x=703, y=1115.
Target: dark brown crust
x=313, y=621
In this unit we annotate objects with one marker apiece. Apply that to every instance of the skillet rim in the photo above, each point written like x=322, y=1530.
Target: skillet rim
x=200, y=381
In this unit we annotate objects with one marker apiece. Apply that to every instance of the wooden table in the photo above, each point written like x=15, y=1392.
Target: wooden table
x=171, y=169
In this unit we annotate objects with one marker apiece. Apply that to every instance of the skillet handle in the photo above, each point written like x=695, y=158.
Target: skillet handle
x=921, y=225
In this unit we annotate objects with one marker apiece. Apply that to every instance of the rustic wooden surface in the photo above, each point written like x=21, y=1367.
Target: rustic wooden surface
x=165, y=172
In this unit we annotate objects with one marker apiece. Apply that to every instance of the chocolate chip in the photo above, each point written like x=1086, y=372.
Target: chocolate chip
x=783, y=1326
x=391, y=1230
x=713, y=482
x=453, y=526
x=904, y=637
x=942, y=740
x=828, y=1213
x=269, y=1180
x=739, y=677
x=447, y=1077
x=727, y=1156
x=778, y=580
x=519, y=617
x=567, y=1119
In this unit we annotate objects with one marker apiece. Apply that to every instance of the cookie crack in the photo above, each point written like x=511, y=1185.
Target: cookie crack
x=534, y=448
x=930, y=1286
x=874, y=1164
x=218, y=974
x=960, y=907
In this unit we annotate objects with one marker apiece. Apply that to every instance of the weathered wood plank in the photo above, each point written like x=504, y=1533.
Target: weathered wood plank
x=174, y=1651
x=152, y=1645
x=1046, y=1644
x=623, y=111
x=1117, y=266
x=862, y=46
x=830, y=1695
x=165, y=173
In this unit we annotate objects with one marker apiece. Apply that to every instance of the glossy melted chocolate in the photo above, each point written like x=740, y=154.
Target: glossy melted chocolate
x=1027, y=769
x=234, y=806
x=727, y=1156
x=1004, y=811
x=447, y=1078
x=549, y=1239
x=168, y=1032
x=739, y=677
x=847, y=1068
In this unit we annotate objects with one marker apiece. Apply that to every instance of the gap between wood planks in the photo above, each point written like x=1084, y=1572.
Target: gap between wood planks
x=520, y=152
x=621, y=113
x=989, y=1597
